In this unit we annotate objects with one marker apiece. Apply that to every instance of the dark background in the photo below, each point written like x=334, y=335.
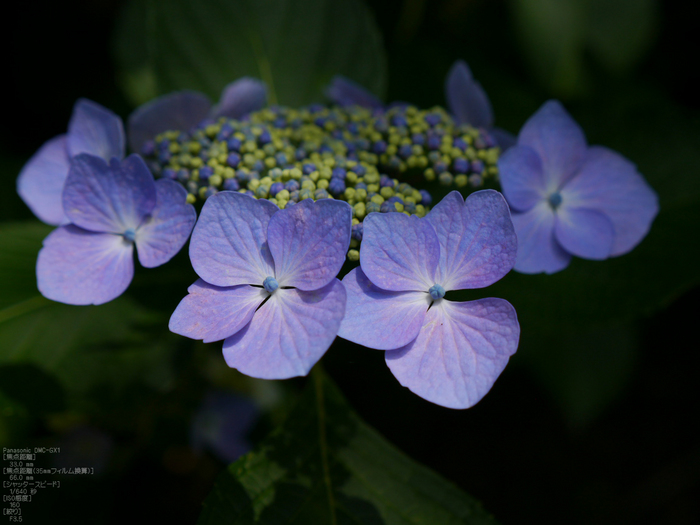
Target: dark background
x=526, y=454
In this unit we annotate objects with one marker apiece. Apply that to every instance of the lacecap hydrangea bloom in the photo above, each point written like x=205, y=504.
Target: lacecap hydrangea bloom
x=111, y=207
x=571, y=199
x=268, y=283
x=92, y=129
x=449, y=353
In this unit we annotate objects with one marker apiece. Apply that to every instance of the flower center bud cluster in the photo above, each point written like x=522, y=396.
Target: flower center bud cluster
x=352, y=154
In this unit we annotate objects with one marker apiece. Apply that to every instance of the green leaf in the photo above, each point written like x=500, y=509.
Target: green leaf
x=295, y=46
x=326, y=466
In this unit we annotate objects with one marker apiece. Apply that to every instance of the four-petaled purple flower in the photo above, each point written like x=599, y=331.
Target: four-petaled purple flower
x=111, y=207
x=267, y=282
x=184, y=110
x=469, y=104
x=449, y=353
x=92, y=129
x=570, y=199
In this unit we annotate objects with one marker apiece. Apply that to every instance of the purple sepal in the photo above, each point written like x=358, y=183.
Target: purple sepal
x=40, y=183
x=558, y=140
x=164, y=232
x=95, y=130
x=345, y=92
x=399, y=253
x=181, y=110
x=288, y=334
x=229, y=241
x=538, y=250
x=466, y=99
x=212, y=313
x=309, y=241
x=108, y=198
x=460, y=351
x=584, y=233
x=77, y=266
x=379, y=319
x=610, y=183
x=478, y=245
x=241, y=97
x=522, y=177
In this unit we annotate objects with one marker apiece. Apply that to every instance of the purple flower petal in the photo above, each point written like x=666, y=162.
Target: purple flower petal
x=585, y=233
x=76, y=266
x=399, y=253
x=288, y=334
x=466, y=99
x=477, y=240
x=40, y=183
x=166, y=229
x=309, y=241
x=379, y=319
x=610, y=183
x=538, y=250
x=558, y=140
x=182, y=110
x=229, y=241
x=212, y=313
x=345, y=92
x=95, y=130
x=108, y=198
x=460, y=351
x=522, y=177
x=241, y=97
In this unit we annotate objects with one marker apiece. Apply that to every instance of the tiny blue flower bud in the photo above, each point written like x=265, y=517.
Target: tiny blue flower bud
x=233, y=144
x=205, y=173
x=460, y=165
x=233, y=159
x=270, y=284
x=291, y=185
x=379, y=147
x=130, y=235
x=308, y=168
x=436, y=291
x=276, y=188
x=555, y=200
x=434, y=142
x=426, y=199
x=231, y=185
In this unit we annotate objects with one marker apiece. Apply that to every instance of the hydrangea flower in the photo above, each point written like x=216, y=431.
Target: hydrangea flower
x=184, y=110
x=449, y=353
x=469, y=104
x=92, y=129
x=570, y=199
x=267, y=282
x=111, y=207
